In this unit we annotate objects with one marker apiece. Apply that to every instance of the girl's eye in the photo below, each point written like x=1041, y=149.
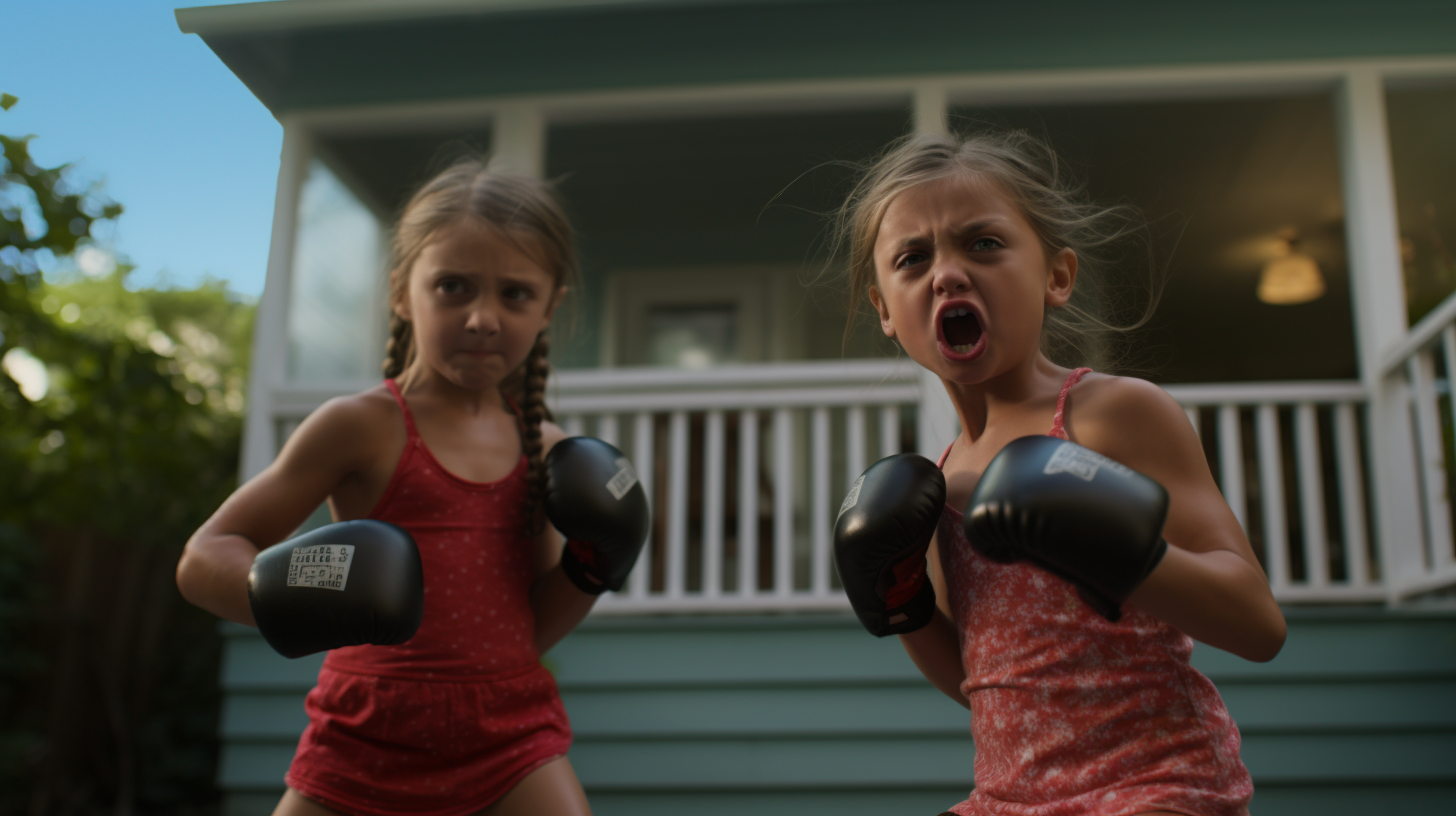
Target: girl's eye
x=909, y=259
x=451, y=286
x=985, y=244
x=519, y=293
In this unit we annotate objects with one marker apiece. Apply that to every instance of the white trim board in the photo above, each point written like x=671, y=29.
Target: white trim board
x=1145, y=82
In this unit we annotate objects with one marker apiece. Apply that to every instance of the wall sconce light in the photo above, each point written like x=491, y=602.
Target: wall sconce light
x=1290, y=276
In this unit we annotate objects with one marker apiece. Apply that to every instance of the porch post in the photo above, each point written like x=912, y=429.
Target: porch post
x=936, y=422
x=269, y=368
x=1377, y=288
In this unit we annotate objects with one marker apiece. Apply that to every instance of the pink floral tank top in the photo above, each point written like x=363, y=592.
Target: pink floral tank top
x=1073, y=715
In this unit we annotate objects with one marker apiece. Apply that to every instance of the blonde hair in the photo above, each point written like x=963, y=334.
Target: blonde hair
x=1027, y=170
x=528, y=212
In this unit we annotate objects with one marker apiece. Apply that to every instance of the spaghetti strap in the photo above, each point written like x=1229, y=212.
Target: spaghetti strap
x=1059, y=418
x=940, y=463
x=409, y=419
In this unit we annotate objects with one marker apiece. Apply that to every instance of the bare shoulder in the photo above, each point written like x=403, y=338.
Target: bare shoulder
x=1128, y=419
x=551, y=433
x=349, y=427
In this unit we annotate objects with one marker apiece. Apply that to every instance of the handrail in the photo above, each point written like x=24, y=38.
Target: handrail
x=1422, y=333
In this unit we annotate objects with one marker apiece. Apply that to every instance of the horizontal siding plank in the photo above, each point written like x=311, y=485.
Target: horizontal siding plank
x=248, y=663
x=255, y=766
x=734, y=802
x=834, y=649
x=1376, y=644
x=902, y=709
x=935, y=761
x=1334, y=705
x=887, y=710
x=1334, y=799
x=1323, y=799
x=659, y=655
x=1283, y=800
x=253, y=716
x=1361, y=757
x=778, y=762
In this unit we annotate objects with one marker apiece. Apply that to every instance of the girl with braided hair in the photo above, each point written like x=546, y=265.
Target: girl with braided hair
x=453, y=448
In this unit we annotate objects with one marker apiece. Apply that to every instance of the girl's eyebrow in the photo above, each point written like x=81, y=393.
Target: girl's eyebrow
x=978, y=226
x=920, y=239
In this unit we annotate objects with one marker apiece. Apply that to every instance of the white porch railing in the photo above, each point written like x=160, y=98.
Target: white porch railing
x=1290, y=461
x=1417, y=376
x=744, y=468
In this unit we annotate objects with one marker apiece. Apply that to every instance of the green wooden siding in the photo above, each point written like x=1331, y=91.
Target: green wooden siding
x=808, y=714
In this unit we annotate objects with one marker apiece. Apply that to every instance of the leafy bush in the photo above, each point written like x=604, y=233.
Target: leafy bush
x=120, y=415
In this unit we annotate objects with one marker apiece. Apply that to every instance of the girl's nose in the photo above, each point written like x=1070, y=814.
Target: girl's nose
x=950, y=277
x=483, y=320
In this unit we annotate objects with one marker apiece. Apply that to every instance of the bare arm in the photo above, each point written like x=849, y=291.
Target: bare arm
x=213, y=570
x=1209, y=585
x=556, y=602
x=935, y=648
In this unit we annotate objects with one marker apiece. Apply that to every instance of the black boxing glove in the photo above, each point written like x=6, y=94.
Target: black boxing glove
x=1072, y=511
x=880, y=539
x=594, y=498
x=344, y=584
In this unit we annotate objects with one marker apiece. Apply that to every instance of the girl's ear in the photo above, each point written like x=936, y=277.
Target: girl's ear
x=884, y=311
x=1061, y=277
x=400, y=307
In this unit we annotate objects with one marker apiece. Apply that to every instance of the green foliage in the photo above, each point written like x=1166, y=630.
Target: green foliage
x=116, y=452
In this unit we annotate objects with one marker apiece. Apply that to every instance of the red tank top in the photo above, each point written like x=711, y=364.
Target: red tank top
x=479, y=566
x=1073, y=715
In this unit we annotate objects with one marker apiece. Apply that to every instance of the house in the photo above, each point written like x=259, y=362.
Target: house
x=700, y=143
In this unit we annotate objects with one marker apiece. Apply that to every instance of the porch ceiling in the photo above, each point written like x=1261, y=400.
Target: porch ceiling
x=311, y=53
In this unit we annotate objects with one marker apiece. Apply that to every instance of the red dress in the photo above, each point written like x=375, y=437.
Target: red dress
x=450, y=721
x=1073, y=715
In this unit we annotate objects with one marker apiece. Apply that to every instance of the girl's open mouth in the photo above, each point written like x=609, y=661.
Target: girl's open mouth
x=960, y=331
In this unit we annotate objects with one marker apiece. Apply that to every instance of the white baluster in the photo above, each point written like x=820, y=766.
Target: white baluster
x=642, y=453
x=889, y=430
x=1349, y=458
x=783, y=479
x=1193, y=419
x=1444, y=555
x=1231, y=462
x=854, y=444
x=1271, y=482
x=607, y=430
x=819, y=512
x=748, y=503
x=675, y=564
x=574, y=426
x=1430, y=448
x=713, y=470
x=1311, y=495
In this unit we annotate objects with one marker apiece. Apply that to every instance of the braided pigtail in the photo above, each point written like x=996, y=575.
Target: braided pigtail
x=398, y=350
x=533, y=411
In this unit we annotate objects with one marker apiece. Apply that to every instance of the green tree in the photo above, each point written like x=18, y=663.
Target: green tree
x=120, y=413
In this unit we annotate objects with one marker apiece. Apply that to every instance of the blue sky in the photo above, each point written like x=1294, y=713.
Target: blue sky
x=154, y=116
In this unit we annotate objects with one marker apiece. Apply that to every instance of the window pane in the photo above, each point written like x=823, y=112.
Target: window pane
x=335, y=313
x=692, y=336
x=1423, y=157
